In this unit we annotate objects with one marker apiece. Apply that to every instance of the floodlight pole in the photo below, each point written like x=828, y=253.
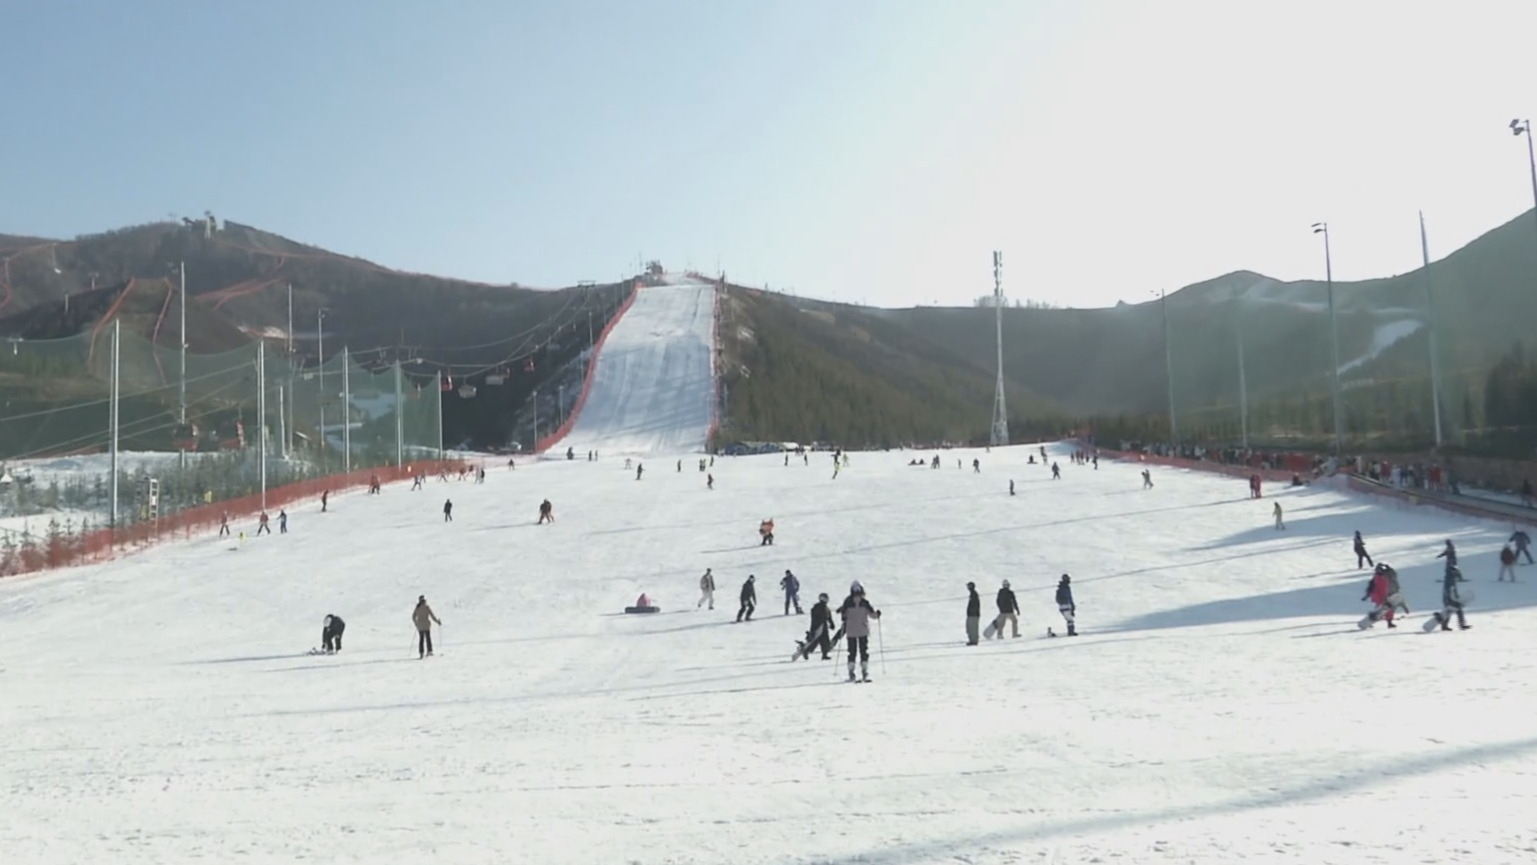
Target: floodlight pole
x=261, y=416
x=346, y=412
x=1000, y=431
x=320, y=328
x=1430, y=327
x=1334, y=339
x=1243, y=382
x=112, y=419
x=181, y=415
x=1168, y=367
x=1524, y=127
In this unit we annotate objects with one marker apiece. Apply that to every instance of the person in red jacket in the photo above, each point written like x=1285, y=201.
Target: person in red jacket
x=1383, y=592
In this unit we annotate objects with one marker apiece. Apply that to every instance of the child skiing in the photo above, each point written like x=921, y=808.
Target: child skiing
x=857, y=612
x=766, y=533
x=706, y=590
x=1066, y=606
x=331, y=634
x=423, y=617
x=792, y=587
x=749, y=600
x=282, y=522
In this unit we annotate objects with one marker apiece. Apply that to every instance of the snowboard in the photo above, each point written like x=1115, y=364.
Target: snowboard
x=990, y=630
x=1432, y=623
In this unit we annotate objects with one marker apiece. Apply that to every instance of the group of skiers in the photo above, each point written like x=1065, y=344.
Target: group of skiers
x=422, y=616
x=856, y=611
x=1386, y=595
x=1009, y=612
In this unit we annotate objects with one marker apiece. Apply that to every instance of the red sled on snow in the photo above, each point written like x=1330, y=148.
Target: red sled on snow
x=643, y=605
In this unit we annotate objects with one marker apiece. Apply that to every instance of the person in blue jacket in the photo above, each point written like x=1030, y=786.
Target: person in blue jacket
x=792, y=587
x=1066, y=605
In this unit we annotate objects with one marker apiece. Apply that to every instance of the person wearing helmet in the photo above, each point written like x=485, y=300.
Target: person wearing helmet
x=792, y=587
x=820, y=634
x=749, y=600
x=973, y=614
x=1008, y=613
x=857, y=613
x=1065, y=604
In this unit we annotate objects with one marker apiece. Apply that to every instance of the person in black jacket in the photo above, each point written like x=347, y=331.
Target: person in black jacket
x=749, y=600
x=331, y=634
x=1361, y=554
x=1066, y=605
x=973, y=614
x=1008, y=612
x=1451, y=600
x=820, y=635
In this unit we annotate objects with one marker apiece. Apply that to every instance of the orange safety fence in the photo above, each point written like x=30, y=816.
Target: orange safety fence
x=99, y=545
x=544, y=443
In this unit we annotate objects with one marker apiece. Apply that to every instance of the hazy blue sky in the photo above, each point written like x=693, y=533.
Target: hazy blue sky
x=872, y=150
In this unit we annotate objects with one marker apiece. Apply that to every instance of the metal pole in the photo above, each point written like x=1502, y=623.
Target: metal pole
x=1334, y=339
x=320, y=328
x=535, y=447
x=182, y=414
x=282, y=426
x=112, y=421
x=400, y=424
x=438, y=388
x=346, y=412
x=1430, y=327
x=1531, y=159
x=261, y=416
x=1243, y=383
x=290, y=319
x=1168, y=366
x=1000, y=431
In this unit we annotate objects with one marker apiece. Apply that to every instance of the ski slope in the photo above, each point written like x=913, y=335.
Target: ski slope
x=1220, y=706
x=653, y=389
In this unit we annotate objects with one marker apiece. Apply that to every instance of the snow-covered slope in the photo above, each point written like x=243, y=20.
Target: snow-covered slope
x=1220, y=707
x=653, y=389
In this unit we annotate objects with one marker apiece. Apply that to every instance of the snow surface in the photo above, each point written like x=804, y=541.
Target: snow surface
x=1384, y=337
x=653, y=389
x=1220, y=706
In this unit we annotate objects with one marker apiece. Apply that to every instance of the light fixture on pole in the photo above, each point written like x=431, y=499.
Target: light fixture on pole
x=1000, y=432
x=1524, y=127
x=1334, y=338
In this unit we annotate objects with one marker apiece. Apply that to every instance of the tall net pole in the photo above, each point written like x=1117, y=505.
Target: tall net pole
x=1000, y=434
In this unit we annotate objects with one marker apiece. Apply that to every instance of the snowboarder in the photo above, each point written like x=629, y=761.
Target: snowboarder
x=1008, y=613
x=224, y=524
x=1280, y=523
x=820, y=634
x=325, y=500
x=1450, y=554
x=766, y=533
x=640, y=469
x=1011, y=488
x=1359, y=545
x=792, y=587
x=706, y=590
x=749, y=600
x=423, y=617
x=1523, y=543
x=1507, y=563
x=857, y=612
x=973, y=615
x=331, y=634
x=976, y=466
x=1451, y=603
x=282, y=522
x=262, y=524
x=709, y=481
x=1147, y=479
x=1065, y=604
x=448, y=510
x=546, y=512
x=1056, y=472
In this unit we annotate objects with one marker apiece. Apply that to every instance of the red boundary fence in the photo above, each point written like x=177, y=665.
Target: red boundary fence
x=101, y=545
x=1277, y=475
x=543, y=444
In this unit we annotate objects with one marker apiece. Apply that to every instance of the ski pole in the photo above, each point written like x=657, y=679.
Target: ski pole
x=880, y=637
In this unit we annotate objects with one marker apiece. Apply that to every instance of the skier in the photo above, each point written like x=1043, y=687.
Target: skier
x=1008, y=612
x=1065, y=604
x=416, y=482
x=1450, y=554
x=820, y=634
x=282, y=522
x=546, y=512
x=1451, y=603
x=709, y=481
x=749, y=600
x=224, y=524
x=423, y=617
x=706, y=590
x=792, y=587
x=1056, y=472
x=325, y=499
x=1011, y=488
x=976, y=466
x=1523, y=543
x=1280, y=524
x=973, y=614
x=262, y=525
x=1507, y=564
x=1147, y=479
x=680, y=467
x=857, y=612
x=640, y=468
x=331, y=634
x=448, y=511
x=1361, y=554
x=766, y=533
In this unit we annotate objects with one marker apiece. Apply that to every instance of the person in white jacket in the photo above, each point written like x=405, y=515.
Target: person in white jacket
x=706, y=590
x=857, y=613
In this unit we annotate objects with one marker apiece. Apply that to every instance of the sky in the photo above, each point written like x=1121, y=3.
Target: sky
x=872, y=151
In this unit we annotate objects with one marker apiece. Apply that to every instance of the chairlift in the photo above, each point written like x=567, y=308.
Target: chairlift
x=448, y=383
x=528, y=364
x=184, y=437
x=495, y=378
x=467, y=391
